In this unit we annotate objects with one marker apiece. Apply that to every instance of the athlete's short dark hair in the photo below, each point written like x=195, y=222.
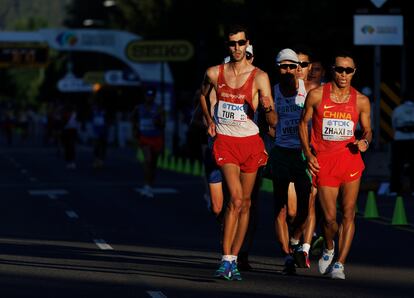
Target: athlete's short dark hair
x=236, y=28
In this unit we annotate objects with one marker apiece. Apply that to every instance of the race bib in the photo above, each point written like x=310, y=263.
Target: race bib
x=231, y=113
x=289, y=127
x=337, y=129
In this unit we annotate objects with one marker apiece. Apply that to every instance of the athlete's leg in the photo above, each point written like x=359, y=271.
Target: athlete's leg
x=146, y=150
x=240, y=186
x=302, y=189
x=292, y=202
x=328, y=196
x=347, y=228
x=153, y=165
x=280, y=196
x=253, y=220
x=247, y=180
x=216, y=197
x=310, y=224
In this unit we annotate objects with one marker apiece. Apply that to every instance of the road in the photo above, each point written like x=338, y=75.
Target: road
x=89, y=233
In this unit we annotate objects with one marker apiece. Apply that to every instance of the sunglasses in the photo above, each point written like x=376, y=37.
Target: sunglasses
x=232, y=43
x=288, y=65
x=340, y=69
x=304, y=64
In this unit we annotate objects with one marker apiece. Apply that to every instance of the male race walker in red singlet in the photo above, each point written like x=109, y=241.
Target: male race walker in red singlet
x=238, y=149
x=334, y=159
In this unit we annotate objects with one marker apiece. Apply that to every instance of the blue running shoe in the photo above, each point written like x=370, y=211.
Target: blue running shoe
x=235, y=273
x=224, y=270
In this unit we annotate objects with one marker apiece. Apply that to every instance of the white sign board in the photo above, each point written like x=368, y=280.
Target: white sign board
x=121, y=78
x=378, y=30
x=378, y=3
x=70, y=83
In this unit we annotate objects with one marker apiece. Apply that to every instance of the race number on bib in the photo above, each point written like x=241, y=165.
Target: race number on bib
x=337, y=129
x=231, y=113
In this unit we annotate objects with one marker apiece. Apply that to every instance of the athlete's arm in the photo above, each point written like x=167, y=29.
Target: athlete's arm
x=207, y=86
x=364, y=108
x=312, y=101
x=265, y=97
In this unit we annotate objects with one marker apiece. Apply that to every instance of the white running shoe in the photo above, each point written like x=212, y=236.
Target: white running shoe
x=337, y=271
x=325, y=260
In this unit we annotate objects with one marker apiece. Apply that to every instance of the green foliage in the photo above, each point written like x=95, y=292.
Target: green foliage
x=28, y=82
x=49, y=12
x=149, y=18
x=22, y=84
x=29, y=23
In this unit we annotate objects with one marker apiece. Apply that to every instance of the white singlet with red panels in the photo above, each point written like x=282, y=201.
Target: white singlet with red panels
x=234, y=111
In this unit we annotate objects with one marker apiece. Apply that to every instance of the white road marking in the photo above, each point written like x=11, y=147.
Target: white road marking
x=156, y=294
x=102, y=244
x=51, y=193
x=71, y=214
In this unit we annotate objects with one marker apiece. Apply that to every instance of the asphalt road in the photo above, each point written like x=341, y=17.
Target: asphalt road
x=89, y=233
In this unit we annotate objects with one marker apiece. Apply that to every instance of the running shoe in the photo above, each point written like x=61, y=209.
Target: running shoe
x=301, y=258
x=317, y=246
x=235, y=273
x=290, y=268
x=325, y=261
x=337, y=271
x=224, y=271
x=293, y=247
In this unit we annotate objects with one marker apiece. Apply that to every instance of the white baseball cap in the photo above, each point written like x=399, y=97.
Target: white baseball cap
x=249, y=49
x=287, y=54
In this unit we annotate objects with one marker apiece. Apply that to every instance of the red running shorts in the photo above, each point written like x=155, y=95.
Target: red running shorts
x=246, y=152
x=337, y=168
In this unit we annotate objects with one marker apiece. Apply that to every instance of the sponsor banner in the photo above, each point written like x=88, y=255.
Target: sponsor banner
x=378, y=30
x=159, y=50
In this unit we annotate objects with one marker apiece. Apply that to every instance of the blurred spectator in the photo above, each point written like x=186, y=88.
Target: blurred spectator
x=148, y=122
x=69, y=136
x=100, y=135
x=402, y=158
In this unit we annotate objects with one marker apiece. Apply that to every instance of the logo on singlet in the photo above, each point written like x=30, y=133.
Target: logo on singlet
x=327, y=107
x=353, y=174
x=221, y=85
